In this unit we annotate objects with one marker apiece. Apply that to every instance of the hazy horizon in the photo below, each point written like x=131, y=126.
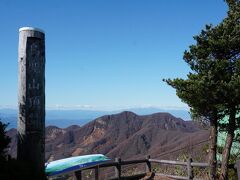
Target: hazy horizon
x=64, y=118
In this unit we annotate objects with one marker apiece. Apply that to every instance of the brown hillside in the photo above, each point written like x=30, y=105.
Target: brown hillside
x=125, y=135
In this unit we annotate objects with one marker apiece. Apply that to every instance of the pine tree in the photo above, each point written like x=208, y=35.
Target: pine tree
x=4, y=142
x=212, y=88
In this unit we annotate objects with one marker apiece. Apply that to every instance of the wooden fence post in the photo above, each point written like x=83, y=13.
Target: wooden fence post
x=97, y=173
x=190, y=169
x=237, y=166
x=118, y=168
x=78, y=175
x=148, y=164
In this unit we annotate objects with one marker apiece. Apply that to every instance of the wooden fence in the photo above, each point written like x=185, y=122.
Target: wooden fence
x=118, y=163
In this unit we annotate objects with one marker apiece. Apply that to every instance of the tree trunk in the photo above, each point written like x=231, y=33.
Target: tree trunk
x=228, y=144
x=213, y=147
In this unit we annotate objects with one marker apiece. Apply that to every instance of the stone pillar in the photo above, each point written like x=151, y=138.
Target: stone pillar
x=31, y=97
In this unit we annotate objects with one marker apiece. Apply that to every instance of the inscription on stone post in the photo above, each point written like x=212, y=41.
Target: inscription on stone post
x=31, y=96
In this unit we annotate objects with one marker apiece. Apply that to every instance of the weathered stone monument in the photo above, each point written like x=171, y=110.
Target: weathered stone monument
x=31, y=97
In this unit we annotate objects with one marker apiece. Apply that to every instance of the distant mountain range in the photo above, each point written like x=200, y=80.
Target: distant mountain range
x=125, y=135
x=65, y=118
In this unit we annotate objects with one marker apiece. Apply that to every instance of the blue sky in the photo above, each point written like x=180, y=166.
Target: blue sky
x=106, y=53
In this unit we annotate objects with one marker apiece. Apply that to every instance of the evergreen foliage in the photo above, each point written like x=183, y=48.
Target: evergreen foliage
x=212, y=88
x=4, y=142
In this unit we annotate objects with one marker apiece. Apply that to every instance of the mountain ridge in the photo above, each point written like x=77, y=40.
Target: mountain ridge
x=125, y=135
x=64, y=118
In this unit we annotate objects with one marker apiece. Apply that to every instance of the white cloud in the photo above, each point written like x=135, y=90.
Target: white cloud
x=103, y=108
x=8, y=107
x=70, y=107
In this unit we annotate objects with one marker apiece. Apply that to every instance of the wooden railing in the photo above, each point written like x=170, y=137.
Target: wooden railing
x=189, y=165
x=118, y=163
